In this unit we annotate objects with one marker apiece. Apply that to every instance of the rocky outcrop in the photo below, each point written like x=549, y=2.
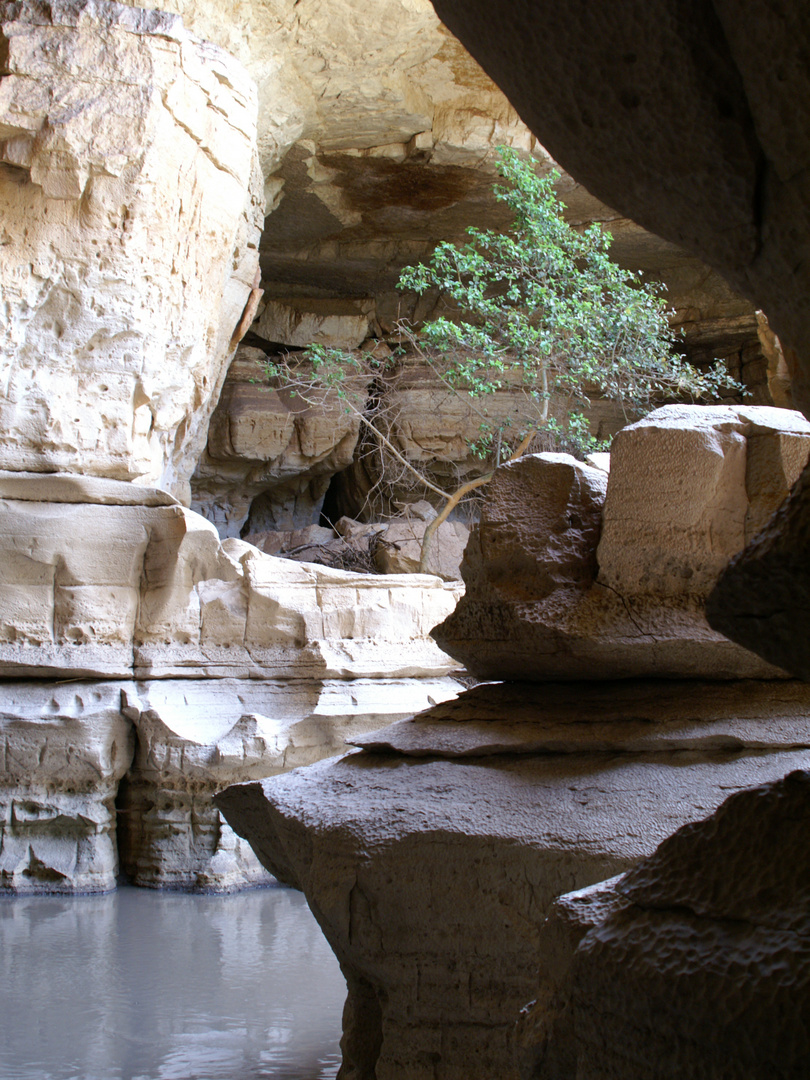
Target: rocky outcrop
x=279, y=662
x=101, y=776
x=195, y=737
x=113, y=589
x=269, y=453
x=131, y=206
x=560, y=585
x=431, y=858
x=692, y=964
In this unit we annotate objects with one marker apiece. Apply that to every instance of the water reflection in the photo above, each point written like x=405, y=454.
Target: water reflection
x=140, y=985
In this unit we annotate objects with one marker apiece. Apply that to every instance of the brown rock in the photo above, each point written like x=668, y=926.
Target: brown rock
x=430, y=873
x=695, y=962
x=686, y=485
x=268, y=442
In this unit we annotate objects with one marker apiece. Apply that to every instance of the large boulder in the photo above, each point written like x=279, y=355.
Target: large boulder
x=131, y=204
x=563, y=585
x=694, y=963
x=431, y=858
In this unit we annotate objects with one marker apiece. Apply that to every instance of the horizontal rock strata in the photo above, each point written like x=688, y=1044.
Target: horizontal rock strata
x=64, y=750
x=112, y=589
x=93, y=770
x=431, y=862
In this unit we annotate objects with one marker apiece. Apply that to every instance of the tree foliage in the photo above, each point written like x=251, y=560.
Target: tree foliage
x=543, y=310
x=546, y=308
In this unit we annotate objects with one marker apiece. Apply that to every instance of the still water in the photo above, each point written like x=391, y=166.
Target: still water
x=143, y=985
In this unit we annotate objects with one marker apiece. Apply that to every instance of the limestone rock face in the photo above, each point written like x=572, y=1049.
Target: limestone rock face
x=268, y=442
x=92, y=589
x=195, y=737
x=131, y=208
x=65, y=749
x=660, y=972
x=431, y=862
x=549, y=597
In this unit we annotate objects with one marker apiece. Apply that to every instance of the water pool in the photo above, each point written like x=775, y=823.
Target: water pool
x=143, y=985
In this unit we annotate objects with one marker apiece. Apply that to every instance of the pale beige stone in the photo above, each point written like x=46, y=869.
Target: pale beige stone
x=399, y=548
x=265, y=441
x=335, y=324
x=431, y=875
x=197, y=736
x=64, y=750
x=108, y=590
x=131, y=220
x=688, y=487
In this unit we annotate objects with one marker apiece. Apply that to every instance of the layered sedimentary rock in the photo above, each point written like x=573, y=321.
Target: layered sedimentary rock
x=692, y=964
x=195, y=737
x=563, y=585
x=431, y=861
x=267, y=441
x=64, y=750
x=112, y=589
x=94, y=771
x=279, y=661
x=131, y=204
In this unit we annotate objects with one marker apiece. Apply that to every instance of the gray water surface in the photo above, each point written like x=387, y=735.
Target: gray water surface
x=144, y=985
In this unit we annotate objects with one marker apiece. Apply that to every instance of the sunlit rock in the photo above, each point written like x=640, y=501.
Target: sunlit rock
x=113, y=589
x=131, y=207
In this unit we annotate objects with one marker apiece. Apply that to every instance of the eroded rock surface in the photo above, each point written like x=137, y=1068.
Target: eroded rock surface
x=266, y=441
x=64, y=750
x=559, y=587
x=694, y=963
x=431, y=862
x=131, y=204
x=195, y=737
x=112, y=590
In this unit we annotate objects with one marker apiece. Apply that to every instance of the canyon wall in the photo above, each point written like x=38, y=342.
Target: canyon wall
x=144, y=663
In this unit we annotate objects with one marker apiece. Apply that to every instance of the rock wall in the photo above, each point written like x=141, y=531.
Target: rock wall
x=278, y=662
x=432, y=857
x=132, y=206
x=131, y=209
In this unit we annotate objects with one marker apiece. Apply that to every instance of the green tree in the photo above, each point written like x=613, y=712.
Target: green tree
x=543, y=308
